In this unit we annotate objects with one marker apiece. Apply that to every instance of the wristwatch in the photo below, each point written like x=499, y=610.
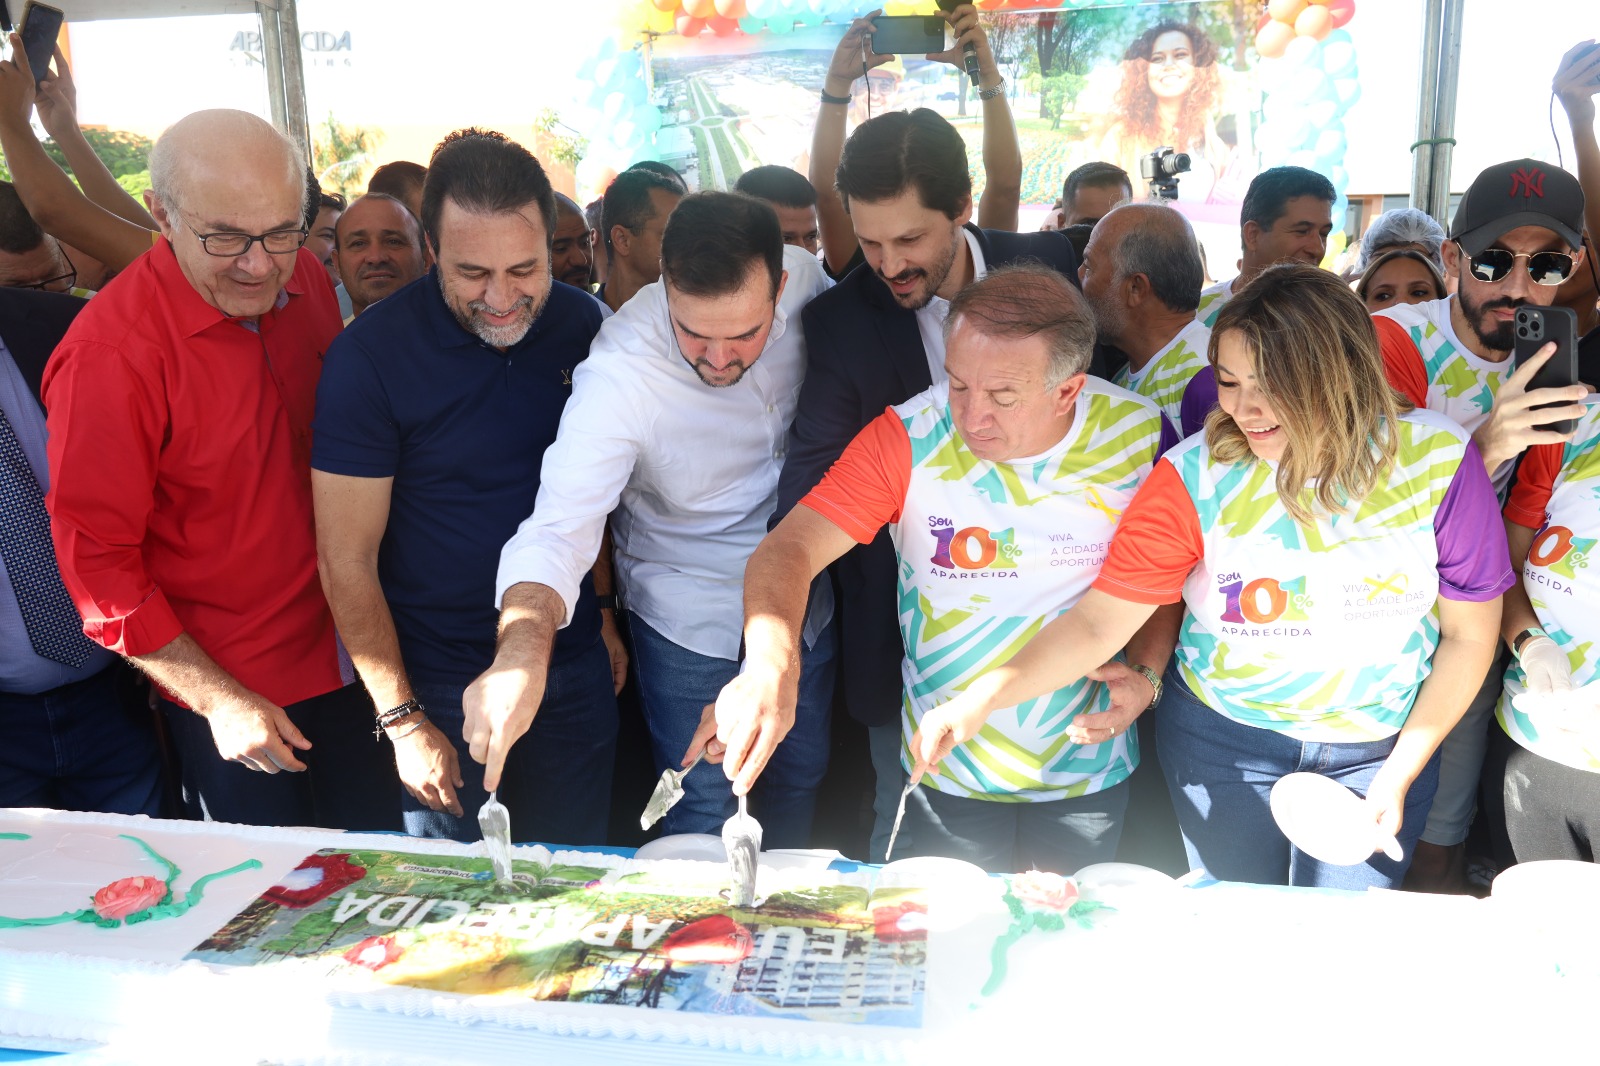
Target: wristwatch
x=1150, y=676
x=1523, y=638
x=607, y=602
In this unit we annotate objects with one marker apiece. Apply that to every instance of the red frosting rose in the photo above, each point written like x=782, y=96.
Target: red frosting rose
x=1045, y=891
x=129, y=896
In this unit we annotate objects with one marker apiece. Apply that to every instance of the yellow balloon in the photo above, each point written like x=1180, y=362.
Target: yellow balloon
x=658, y=21
x=1315, y=22
x=901, y=7
x=1285, y=11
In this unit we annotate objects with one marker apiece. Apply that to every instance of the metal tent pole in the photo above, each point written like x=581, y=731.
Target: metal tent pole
x=1427, y=93
x=1444, y=123
x=294, y=77
x=272, y=60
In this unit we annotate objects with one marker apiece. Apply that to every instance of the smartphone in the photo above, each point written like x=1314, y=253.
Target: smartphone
x=907, y=34
x=41, y=25
x=1536, y=327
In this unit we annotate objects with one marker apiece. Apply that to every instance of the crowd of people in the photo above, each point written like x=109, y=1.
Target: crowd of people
x=355, y=513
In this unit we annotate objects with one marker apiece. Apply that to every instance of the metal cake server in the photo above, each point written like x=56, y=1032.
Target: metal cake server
x=669, y=790
x=899, y=815
x=494, y=821
x=741, y=838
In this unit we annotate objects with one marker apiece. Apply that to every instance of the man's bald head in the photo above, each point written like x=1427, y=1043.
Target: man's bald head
x=1154, y=240
x=216, y=176
x=223, y=146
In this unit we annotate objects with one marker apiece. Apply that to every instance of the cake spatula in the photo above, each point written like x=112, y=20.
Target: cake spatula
x=669, y=790
x=741, y=838
x=899, y=816
x=494, y=821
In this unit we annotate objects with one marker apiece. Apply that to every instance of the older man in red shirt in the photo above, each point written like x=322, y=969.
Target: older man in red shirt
x=180, y=408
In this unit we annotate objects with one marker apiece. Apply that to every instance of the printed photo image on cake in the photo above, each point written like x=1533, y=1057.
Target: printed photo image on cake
x=658, y=939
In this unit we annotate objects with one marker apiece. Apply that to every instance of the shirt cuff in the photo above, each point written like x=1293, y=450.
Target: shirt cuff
x=1135, y=593
x=147, y=628
x=517, y=567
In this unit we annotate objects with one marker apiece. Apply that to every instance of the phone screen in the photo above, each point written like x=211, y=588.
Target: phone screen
x=907, y=34
x=41, y=25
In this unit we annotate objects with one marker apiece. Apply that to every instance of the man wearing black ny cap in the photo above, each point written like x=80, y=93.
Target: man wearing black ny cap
x=1516, y=236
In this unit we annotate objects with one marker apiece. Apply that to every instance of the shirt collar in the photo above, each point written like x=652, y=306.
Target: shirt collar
x=192, y=313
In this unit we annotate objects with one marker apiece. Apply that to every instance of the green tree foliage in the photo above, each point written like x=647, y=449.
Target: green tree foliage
x=122, y=152
x=567, y=146
x=341, y=154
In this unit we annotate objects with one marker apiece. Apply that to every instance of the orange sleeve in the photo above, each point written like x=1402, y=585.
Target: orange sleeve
x=1536, y=479
x=864, y=490
x=1402, y=363
x=1156, y=544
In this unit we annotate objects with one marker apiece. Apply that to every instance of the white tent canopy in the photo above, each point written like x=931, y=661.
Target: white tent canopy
x=280, y=36
x=280, y=43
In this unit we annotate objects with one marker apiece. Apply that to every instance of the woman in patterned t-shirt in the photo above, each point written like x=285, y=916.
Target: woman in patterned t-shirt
x=1331, y=547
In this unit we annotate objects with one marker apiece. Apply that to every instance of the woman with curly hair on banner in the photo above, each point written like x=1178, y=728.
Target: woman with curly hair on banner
x=1171, y=86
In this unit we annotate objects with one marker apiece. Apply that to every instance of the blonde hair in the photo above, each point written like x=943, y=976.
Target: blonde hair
x=1316, y=358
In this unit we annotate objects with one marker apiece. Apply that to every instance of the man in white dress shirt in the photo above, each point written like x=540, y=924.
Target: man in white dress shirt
x=676, y=428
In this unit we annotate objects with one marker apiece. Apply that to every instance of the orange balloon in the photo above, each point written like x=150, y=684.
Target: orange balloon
x=1315, y=22
x=1322, y=2
x=689, y=26
x=1273, y=39
x=668, y=6
x=1285, y=11
x=699, y=9
x=731, y=9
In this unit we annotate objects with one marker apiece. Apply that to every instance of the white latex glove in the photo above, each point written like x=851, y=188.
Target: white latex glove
x=1548, y=674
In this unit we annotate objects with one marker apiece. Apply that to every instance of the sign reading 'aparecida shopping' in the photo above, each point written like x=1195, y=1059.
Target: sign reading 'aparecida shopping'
x=321, y=48
x=310, y=41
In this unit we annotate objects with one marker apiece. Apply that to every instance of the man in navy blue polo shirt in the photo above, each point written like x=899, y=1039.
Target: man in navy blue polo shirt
x=433, y=416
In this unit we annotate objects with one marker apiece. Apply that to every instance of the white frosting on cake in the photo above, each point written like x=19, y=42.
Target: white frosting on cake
x=1224, y=974
x=76, y=982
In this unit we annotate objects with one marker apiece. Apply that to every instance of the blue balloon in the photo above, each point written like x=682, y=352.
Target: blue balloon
x=752, y=25
x=647, y=117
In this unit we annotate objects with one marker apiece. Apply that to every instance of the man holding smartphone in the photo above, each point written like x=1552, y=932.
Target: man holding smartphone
x=1516, y=236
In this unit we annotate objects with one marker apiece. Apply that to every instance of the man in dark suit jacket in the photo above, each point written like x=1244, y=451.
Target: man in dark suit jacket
x=876, y=340
x=73, y=737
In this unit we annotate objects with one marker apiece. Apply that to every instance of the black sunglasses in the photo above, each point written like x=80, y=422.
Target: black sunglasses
x=1545, y=268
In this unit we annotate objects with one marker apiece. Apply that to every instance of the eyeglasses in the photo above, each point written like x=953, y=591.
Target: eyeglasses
x=59, y=283
x=233, y=245
x=1545, y=268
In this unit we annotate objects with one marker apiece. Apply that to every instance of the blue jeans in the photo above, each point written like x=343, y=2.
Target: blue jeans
x=349, y=781
x=1221, y=774
x=1061, y=836
x=557, y=779
x=676, y=684
x=80, y=747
